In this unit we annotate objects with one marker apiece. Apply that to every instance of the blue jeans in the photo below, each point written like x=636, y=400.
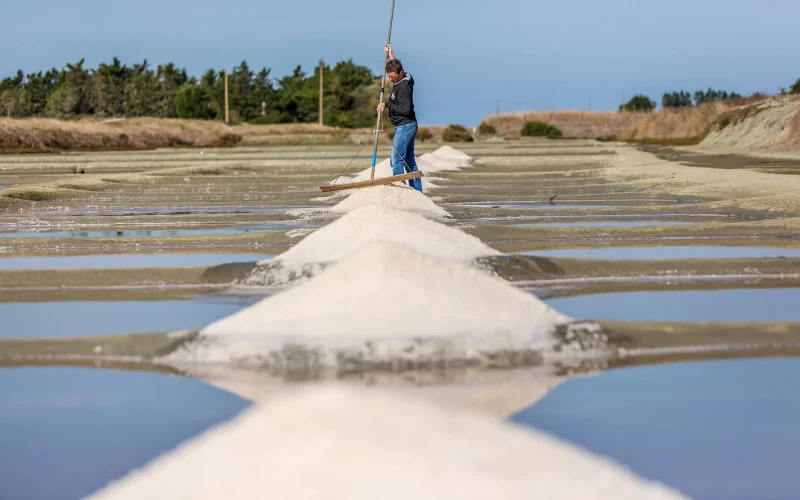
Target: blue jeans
x=404, y=151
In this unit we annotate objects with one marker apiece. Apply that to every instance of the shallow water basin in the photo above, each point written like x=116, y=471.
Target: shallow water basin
x=127, y=260
x=534, y=206
x=610, y=223
x=759, y=304
x=139, y=211
x=153, y=233
x=668, y=252
x=72, y=319
x=67, y=432
x=713, y=430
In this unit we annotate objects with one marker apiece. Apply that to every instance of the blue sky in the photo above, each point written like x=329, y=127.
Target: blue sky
x=464, y=55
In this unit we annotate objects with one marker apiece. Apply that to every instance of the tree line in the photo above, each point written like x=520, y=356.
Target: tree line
x=117, y=90
x=683, y=99
x=679, y=99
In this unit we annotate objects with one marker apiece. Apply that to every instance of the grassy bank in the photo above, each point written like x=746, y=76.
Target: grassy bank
x=760, y=124
x=682, y=126
x=43, y=135
x=37, y=135
x=574, y=124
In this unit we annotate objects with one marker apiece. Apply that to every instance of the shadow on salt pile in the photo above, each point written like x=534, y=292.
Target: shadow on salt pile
x=387, y=306
x=357, y=228
x=500, y=393
x=291, y=441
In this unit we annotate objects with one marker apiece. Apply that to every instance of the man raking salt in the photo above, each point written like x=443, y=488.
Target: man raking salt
x=403, y=117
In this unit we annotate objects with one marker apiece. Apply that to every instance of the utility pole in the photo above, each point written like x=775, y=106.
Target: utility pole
x=623, y=101
x=227, y=115
x=498, y=107
x=590, y=102
x=321, y=68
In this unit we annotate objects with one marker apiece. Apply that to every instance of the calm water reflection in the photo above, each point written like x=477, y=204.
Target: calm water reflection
x=66, y=319
x=760, y=304
x=668, y=252
x=127, y=260
x=66, y=432
x=714, y=430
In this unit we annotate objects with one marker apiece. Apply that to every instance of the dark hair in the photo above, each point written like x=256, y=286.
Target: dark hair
x=394, y=66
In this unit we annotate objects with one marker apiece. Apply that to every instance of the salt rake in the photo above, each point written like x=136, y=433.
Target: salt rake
x=378, y=129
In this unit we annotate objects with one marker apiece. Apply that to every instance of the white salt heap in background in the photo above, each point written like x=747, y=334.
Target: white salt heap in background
x=403, y=198
x=381, y=301
x=442, y=164
x=372, y=223
x=358, y=228
x=450, y=153
x=345, y=444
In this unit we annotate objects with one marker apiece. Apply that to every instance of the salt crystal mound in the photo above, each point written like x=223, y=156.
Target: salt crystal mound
x=453, y=154
x=442, y=164
x=400, y=197
x=358, y=228
x=382, y=307
x=337, y=443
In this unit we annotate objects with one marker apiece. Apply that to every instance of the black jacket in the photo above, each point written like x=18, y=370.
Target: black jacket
x=401, y=102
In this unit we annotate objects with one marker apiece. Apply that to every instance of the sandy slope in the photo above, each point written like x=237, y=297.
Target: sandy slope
x=736, y=188
x=770, y=129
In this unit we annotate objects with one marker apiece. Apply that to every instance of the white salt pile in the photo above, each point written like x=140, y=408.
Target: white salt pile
x=450, y=153
x=383, y=303
x=345, y=444
x=373, y=223
x=400, y=197
x=442, y=164
x=358, y=228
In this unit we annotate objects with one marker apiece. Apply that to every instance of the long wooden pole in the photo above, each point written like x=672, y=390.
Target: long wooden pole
x=383, y=89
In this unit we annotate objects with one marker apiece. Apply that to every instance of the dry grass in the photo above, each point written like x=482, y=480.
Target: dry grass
x=688, y=125
x=247, y=130
x=40, y=135
x=43, y=135
x=574, y=124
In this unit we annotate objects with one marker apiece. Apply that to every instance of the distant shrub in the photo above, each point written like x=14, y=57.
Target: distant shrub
x=456, y=133
x=424, y=134
x=795, y=89
x=193, y=101
x=736, y=115
x=340, y=134
x=270, y=118
x=486, y=129
x=229, y=140
x=540, y=129
x=642, y=103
